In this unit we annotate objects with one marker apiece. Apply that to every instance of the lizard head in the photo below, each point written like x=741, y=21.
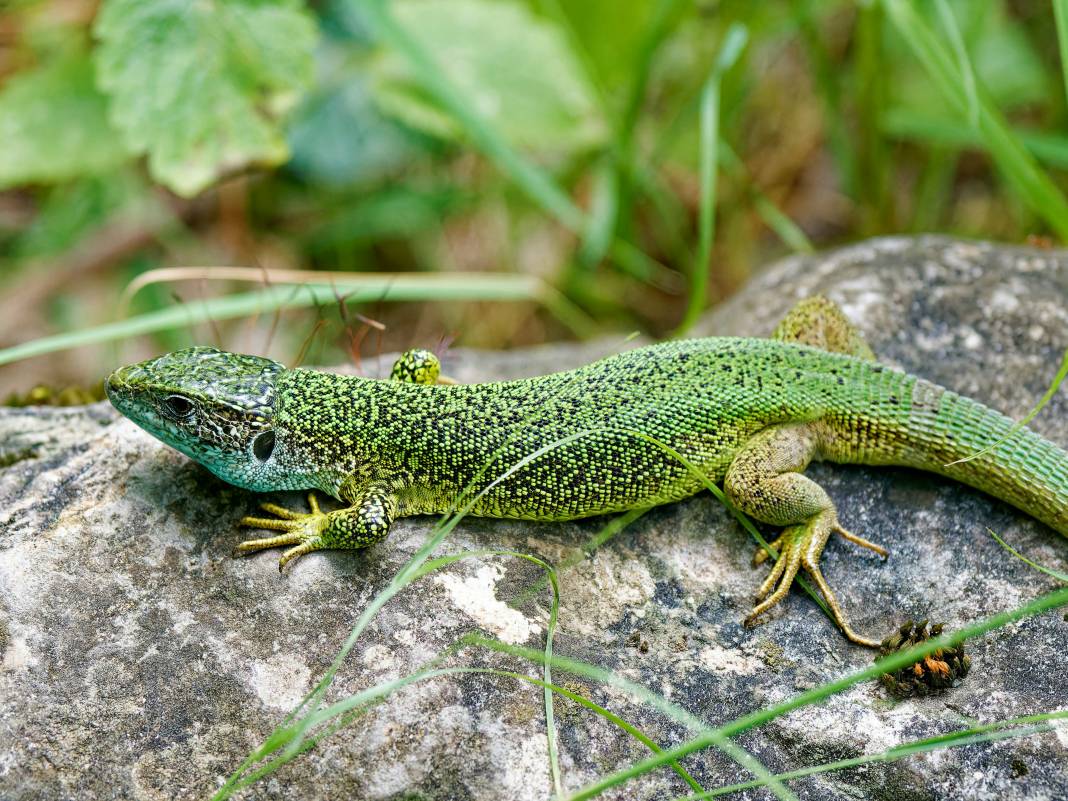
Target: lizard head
x=213, y=406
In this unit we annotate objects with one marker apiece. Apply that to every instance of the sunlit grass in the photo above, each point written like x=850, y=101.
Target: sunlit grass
x=342, y=288
x=948, y=71
x=733, y=44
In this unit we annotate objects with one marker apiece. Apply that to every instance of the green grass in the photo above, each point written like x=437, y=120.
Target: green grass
x=953, y=75
x=733, y=44
x=1062, y=577
x=1060, y=13
x=343, y=289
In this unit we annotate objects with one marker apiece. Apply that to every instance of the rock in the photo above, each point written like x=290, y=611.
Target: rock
x=138, y=660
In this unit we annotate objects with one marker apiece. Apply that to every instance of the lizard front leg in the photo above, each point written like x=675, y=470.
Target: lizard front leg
x=364, y=523
x=765, y=481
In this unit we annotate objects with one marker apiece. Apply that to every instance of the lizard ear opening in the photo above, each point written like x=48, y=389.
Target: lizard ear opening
x=263, y=445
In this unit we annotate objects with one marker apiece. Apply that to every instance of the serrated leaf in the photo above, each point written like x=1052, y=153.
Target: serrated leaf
x=54, y=125
x=516, y=68
x=201, y=85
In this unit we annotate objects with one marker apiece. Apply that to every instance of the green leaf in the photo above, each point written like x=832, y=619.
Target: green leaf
x=54, y=125
x=339, y=138
x=201, y=86
x=613, y=48
x=516, y=69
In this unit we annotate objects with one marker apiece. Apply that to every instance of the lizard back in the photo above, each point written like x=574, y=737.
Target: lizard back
x=703, y=398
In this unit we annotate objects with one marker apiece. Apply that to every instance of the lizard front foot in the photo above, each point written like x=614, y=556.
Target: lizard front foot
x=364, y=523
x=303, y=530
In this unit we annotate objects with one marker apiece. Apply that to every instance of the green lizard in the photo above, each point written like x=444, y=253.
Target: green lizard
x=750, y=413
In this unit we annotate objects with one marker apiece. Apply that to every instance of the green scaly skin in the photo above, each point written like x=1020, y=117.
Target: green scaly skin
x=750, y=413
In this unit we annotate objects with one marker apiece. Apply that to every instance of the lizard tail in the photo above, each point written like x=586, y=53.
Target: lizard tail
x=971, y=443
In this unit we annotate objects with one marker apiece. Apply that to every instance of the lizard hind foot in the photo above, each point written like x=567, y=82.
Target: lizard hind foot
x=302, y=530
x=800, y=547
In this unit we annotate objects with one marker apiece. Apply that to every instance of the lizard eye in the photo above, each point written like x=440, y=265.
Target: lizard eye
x=179, y=405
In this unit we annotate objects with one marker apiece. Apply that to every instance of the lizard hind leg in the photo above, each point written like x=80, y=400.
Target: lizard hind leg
x=418, y=366
x=820, y=322
x=764, y=480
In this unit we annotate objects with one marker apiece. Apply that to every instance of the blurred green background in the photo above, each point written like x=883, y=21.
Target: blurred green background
x=558, y=142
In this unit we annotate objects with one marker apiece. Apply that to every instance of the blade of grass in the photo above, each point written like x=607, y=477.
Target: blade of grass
x=964, y=64
x=1034, y=187
x=1058, y=379
x=365, y=288
x=990, y=732
x=733, y=43
x=1060, y=13
x=297, y=278
x=1048, y=571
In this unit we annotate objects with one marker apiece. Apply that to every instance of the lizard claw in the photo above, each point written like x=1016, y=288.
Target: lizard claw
x=761, y=555
x=863, y=543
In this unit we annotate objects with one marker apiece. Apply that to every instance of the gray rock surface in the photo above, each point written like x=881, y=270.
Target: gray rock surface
x=138, y=660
